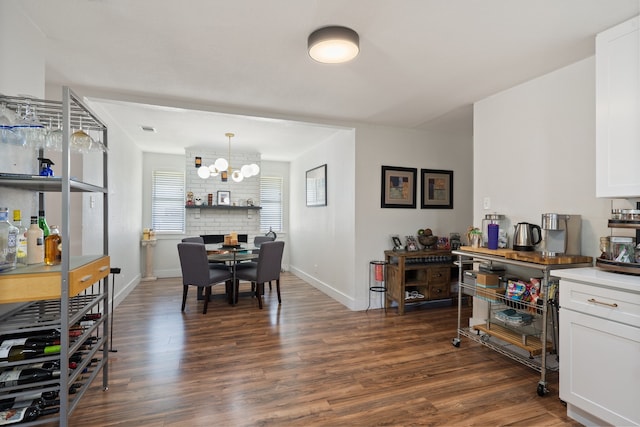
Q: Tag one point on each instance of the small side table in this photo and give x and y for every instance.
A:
(148, 273)
(377, 282)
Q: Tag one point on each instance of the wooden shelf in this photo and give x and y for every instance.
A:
(527, 342)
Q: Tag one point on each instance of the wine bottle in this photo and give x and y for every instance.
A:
(42, 223)
(40, 399)
(24, 401)
(35, 243)
(23, 415)
(10, 378)
(13, 353)
(30, 342)
(21, 244)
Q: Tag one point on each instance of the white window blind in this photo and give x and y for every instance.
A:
(167, 201)
(271, 202)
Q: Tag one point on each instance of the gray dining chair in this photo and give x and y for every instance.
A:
(196, 272)
(257, 241)
(267, 269)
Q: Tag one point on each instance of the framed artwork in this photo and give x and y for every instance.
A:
(437, 189)
(398, 187)
(317, 186)
(224, 198)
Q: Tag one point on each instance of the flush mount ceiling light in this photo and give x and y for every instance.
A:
(223, 166)
(333, 44)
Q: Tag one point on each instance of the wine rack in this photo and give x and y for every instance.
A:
(59, 297)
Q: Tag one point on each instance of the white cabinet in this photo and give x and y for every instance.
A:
(600, 346)
(618, 111)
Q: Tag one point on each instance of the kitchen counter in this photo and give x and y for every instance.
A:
(596, 276)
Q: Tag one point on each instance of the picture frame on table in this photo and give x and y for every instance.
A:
(316, 186)
(398, 187)
(436, 189)
(397, 243)
(224, 198)
(412, 244)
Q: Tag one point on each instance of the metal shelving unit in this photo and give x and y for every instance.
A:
(57, 297)
(528, 345)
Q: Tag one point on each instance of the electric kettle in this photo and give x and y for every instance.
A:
(523, 236)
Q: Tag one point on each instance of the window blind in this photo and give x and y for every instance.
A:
(167, 201)
(271, 202)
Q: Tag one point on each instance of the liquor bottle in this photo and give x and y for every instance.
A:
(35, 243)
(21, 244)
(23, 415)
(14, 353)
(53, 247)
(14, 377)
(42, 223)
(8, 241)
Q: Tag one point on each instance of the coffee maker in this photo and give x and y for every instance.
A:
(560, 234)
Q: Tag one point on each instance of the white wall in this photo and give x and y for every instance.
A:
(378, 146)
(534, 152)
(322, 238)
(332, 246)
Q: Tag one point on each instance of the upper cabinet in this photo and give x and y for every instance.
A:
(618, 111)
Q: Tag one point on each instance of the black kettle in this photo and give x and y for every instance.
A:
(523, 236)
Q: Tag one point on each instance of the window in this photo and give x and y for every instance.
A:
(167, 202)
(271, 202)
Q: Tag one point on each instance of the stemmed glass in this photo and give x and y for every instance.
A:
(81, 141)
(30, 127)
(53, 140)
(7, 133)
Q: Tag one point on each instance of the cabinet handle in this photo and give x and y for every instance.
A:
(86, 278)
(595, 301)
(103, 268)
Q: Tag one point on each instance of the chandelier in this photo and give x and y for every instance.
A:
(223, 167)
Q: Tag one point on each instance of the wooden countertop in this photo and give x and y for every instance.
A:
(530, 256)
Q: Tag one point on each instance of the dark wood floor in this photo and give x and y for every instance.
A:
(308, 362)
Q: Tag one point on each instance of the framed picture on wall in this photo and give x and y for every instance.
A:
(316, 186)
(398, 187)
(224, 198)
(437, 189)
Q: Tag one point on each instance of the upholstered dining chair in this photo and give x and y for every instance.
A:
(196, 271)
(267, 269)
(257, 241)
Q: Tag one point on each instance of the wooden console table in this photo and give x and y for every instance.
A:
(425, 275)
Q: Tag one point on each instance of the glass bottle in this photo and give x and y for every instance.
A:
(35, 243)
(21, 244)
(53, 247)
(8, 241)
(42, 223)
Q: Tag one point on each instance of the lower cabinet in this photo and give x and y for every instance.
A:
(600, 347)
(417, 276)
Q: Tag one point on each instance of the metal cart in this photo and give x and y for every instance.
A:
(528, 344)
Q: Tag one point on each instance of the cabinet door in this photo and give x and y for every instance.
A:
(599, 367)
(617, 111)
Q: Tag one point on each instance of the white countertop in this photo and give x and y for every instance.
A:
(600, 277)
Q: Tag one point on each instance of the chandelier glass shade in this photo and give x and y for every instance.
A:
(222, 166)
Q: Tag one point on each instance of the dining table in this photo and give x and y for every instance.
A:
(232, 256)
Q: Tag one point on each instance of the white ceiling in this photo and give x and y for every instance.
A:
(422, 63)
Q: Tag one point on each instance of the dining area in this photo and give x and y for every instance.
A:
(209, 260)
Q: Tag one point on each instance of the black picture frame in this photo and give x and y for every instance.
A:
(436, 189)
(316, 186)
(224, 198)
(398, 187)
